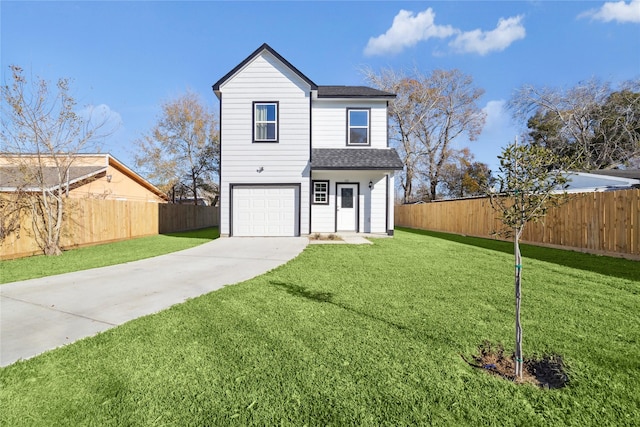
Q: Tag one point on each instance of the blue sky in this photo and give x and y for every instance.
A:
(127, 58)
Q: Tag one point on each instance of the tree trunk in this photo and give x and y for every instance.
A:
(408, 187)
(432, 189)
(518, 277)
(57, 229)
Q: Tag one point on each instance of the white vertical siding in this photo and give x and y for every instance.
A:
(329, 122)
(265, 78)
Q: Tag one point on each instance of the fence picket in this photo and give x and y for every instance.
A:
(94, 221)
(601, 223)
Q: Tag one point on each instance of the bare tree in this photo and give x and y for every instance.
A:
(404, 120)
(182, 150)
(588, 122)
(528, 187)
(617, 135)
(456, 113)
(428, 115)
(42, 132)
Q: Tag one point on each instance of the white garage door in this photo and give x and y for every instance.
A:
(265, 211)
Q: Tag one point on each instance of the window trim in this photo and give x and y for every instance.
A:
(313, 199)
(254, 124)
(368, 110)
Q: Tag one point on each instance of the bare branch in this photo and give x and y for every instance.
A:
(42, 133)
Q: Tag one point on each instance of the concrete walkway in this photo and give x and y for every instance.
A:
(41, 314)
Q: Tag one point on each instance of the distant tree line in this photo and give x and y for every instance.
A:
(592, 124)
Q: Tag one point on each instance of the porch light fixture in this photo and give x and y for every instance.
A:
(109, 178)
(260, 169)
(370, 185)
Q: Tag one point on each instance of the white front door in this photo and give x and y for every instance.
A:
(347, 207)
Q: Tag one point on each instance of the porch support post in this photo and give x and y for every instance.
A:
(390, 204)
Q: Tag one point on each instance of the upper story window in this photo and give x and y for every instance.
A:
(358, 126)
(265, 122)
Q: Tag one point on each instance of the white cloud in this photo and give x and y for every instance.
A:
(407, 30)
(102, 116)
(498, 132)
(497, 117)
(482, 42)
(616, 11)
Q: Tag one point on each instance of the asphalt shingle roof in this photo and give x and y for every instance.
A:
(15, 177)
(355, 158)
(352, 92)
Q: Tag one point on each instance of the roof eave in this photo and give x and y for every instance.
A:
(359, 168)
(360, 97)
(136, 177)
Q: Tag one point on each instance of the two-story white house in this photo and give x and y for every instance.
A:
(297, 158)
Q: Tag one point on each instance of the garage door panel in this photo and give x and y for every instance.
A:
(265, 211)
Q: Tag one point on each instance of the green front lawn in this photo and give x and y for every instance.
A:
(356, 335)
(103, 255)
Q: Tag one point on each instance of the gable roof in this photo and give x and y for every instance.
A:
(14, 178)
(257, 52)
(355, 158)
(323, 91)
(352, 92)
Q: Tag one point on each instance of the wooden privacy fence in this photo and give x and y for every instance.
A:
(600, 223)
(92, 221)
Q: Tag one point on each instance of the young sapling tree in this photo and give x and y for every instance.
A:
(527, 187)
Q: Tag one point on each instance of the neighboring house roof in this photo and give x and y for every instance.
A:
(13, 178)
(350, 158)
(216, 85)
(582, 182)
(352, 92)
(619, 173)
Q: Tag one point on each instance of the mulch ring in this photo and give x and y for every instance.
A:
(548, 372)
(319, 236)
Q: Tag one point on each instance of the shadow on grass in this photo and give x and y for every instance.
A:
(327, 297)
(610, 266)
(203, 233)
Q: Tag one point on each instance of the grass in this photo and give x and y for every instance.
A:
(355, 335)
(103, 255)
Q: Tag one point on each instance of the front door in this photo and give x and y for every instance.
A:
(346, 207)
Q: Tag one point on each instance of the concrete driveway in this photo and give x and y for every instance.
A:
(41, 314)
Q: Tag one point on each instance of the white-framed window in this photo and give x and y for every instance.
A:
(320, 192)
(358, 126)
(265, 122)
